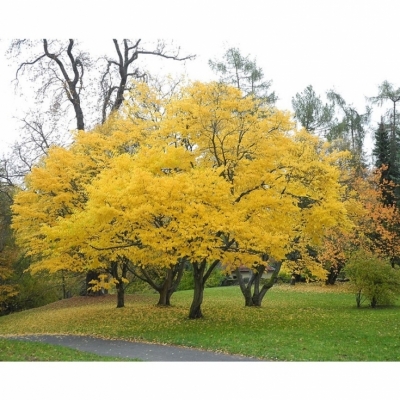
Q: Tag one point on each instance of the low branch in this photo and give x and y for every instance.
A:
(28, 63)
(176, 58)
(121, 246)
(261, 186)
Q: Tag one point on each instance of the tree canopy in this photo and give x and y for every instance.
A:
(216, 179)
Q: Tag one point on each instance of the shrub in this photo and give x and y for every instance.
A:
(373, 279)
(216, 278)
(33, 291)
(187, 282)
(284, 276)
(136, 285)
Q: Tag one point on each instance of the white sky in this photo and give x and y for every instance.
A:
(347, 45)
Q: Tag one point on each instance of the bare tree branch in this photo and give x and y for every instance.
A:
(125, 61)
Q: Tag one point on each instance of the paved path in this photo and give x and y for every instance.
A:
(131, 350)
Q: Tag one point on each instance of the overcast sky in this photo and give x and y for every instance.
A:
(347, 45)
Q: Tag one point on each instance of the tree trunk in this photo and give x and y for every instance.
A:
(358, 299)
(246, 288)
(120, 294)
(167, 287)
(248, 298)
(177, 274)
(332, 276)
(255, 299)
(374, 302)
(92, 275)
(120, 285)
(80, 124)
(198, 275)
(195, 309)
(267, 285)
(174, 276)
(164, 299)
(63, 285)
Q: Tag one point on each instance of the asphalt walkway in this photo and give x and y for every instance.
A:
(131, 350)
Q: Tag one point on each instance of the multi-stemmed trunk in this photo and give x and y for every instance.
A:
(333, 274)
(200, 276)
(358, 298)
(170, 284)
(252, 292)
(165, 285)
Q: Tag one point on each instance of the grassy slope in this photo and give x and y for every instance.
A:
(11, 350)
(299, 323)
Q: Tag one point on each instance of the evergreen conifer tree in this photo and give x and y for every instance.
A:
(386, 163)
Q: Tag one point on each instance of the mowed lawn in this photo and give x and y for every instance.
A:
(306, 322)
(14, 350)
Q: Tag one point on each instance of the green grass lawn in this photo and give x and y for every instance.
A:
(12, 350)
(296, 323)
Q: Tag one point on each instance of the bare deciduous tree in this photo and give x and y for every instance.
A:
(68, 75)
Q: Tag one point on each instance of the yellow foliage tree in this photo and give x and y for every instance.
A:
(211, 178)
(284, 185)
(56, 189)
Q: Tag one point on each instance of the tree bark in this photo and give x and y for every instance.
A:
(120, 294)
(90, 276)
(63, 285)
(127, 55)
(246, 288)
(70, 86)
(333, 275)
(358, 299)
(251, 291)
(171, 282)
(268, 285)
(120, 285)
(200, 276)
(164, 290)
(248, 298)
(256, 298)
(165, 286)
